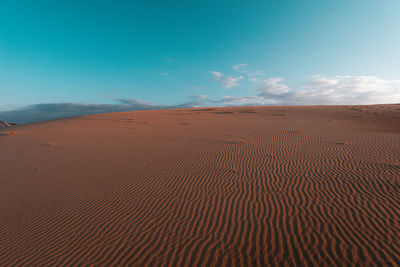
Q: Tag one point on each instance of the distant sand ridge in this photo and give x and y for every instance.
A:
(259, 186)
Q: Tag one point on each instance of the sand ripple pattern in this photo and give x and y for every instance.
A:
(275, 191)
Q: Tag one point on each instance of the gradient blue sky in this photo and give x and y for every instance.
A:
(95, 52)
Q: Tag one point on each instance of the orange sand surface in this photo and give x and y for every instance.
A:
(204, 187)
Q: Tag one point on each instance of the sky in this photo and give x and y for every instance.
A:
(66, 58)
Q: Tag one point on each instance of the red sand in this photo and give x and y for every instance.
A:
(231, 186)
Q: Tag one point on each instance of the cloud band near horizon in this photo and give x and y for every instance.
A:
(319, 90)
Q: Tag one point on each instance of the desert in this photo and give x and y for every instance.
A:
(231, 186)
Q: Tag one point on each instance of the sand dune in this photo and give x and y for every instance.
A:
(204, 187)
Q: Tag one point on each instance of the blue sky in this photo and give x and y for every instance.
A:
(187, 53)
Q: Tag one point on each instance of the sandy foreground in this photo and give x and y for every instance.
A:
(204, 187)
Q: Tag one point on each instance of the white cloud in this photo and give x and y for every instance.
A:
(199, 97)
(226, 82)
(322, 90)
(239, 66)
(347, 90)
(273, 87)
(230, 82)
(136, 102)
(246, 101)
(217, 74)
